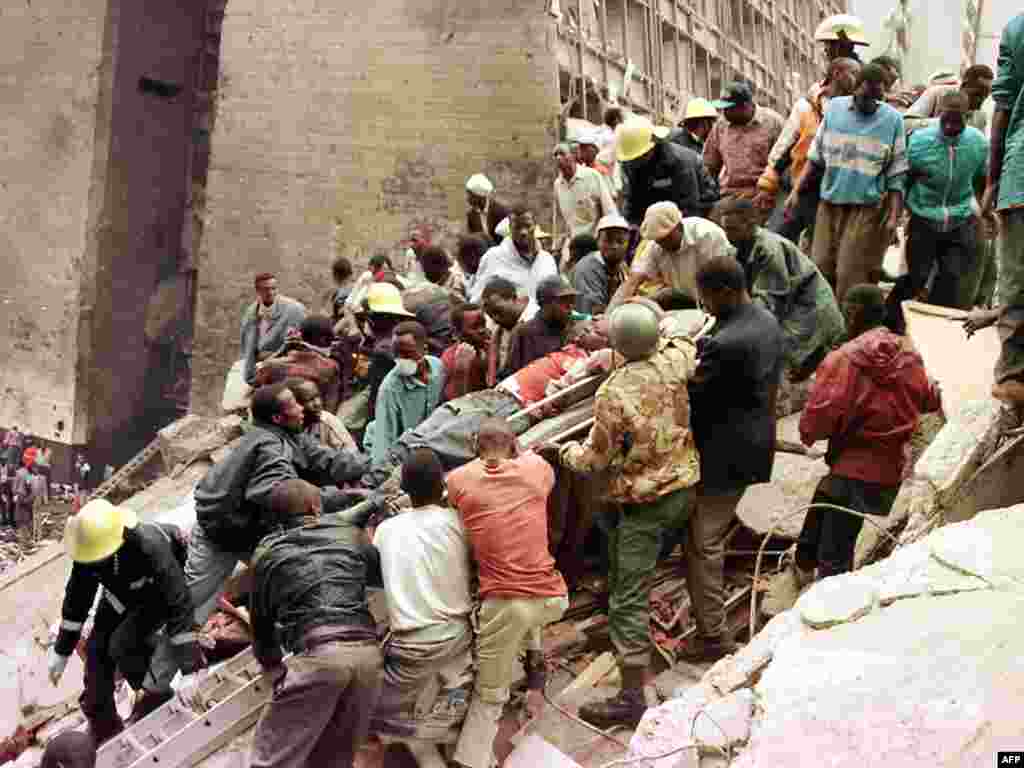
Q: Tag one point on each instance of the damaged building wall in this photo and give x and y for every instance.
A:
(340, 126)
(97, 99)
(56, 67)
(139, 242)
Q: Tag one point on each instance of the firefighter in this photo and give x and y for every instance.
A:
(139, 566)
(841, 34)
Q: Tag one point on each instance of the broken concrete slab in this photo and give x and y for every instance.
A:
(908, 685)
(836, 601)
(533, 751)
(939, 475)
(794, 480)
(987, 547)
(964, 367)
(702, 718)
(788, 429)
(193, 437)
(925, 679)
(741, 669)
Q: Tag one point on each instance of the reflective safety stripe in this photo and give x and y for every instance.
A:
(141, 582)
(118, 605)
(72, 626)
(183, 638)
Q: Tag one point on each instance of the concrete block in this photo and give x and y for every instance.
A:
(195, 436)
(794, 480)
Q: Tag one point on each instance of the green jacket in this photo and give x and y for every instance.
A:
(942, 174)
(1008, 95)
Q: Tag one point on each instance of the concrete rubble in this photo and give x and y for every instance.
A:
(936, 623)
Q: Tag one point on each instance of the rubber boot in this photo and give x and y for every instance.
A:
(102, 729)
(625, 708)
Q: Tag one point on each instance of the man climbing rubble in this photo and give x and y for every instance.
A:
(139, 566)
(425, 563)
(309, 597)
(867, 399)
(502, 501)
(642, 431)
(233, 500)
(732, 395)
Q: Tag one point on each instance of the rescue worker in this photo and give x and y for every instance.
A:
(309, 597)
(139, 566)
(841, 35)
(642, 431)
(867, 399)
(657, 170)
(697, 122)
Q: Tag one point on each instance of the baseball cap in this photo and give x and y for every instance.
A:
(553, 288)
(733, 95)
(612, 221)
(660, 219)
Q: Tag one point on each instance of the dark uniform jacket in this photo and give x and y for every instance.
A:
(146, 573)
(233, 499)
(672, 174)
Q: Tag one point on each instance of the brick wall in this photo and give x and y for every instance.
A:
(52, 73)
(341, 125)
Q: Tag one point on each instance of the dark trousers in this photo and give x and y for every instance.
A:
(829, 536)
(119, 641)
(803, 218)
(954, 255)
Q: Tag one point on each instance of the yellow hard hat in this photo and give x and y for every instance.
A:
(635, 137)
(842, 26)
(384, 298)
(698, 108)
(97, 531)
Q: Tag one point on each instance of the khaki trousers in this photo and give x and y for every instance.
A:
(320, 712)
(507, 625)
(705, 559)
(849, 244)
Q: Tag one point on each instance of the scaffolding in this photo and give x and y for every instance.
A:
(674, 50)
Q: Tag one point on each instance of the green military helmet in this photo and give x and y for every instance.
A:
(633, 330)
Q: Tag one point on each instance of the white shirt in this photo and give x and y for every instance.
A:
(504, 261)
(425, 561)
(583, 200)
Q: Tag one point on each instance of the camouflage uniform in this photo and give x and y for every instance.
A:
(642, 432)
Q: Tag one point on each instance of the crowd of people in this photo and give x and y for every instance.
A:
(421, 374)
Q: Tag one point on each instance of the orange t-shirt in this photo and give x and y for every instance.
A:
(504, 513)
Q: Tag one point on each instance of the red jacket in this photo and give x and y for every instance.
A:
(866, 399)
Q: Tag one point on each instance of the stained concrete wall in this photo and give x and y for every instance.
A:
(53, 90)
(341, 125)
(147, 180)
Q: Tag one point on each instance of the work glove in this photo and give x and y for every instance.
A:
(55, 664)
(188, 688)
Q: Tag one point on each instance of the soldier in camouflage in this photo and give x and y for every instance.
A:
(642, 431)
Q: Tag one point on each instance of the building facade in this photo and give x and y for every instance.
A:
(159, 153)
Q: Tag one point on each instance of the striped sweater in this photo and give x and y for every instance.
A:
(864, 156)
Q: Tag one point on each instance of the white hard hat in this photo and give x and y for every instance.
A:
(480, 185)
(842, 26)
